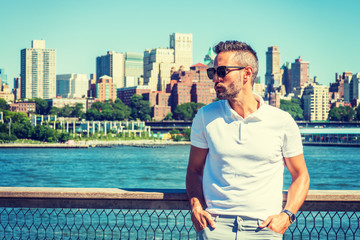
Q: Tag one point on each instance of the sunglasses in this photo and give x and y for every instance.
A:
(220, 71)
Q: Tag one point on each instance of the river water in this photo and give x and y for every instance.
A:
(330, 168)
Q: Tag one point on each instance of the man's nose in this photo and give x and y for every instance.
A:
(217, 78)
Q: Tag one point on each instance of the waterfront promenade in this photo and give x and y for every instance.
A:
(96, 143)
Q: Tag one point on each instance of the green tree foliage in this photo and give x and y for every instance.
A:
(108, 111)
(68, 111)
(64, 137)
(42, 106)
(55, 111)
(20, 125)
(44, 133)
(140, 109)
(187, 111)
(4, 105)
(4, 134)
(341, 114)
(169, 116)
(293, 107)
(357, 113)
(186, 133)
(78, 111)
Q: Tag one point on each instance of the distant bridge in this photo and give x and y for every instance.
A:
(166, 126)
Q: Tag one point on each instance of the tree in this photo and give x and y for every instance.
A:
(42, 106)
(44, 133)
(357, 113)
(186, 133)
(55, 111)
(293, 107)
(108, 111)
(121, 111)
(169, 116)
(140, 109)
(187, 111)
(341, 113)
(78, 111)
(22, 130)
(64, 136)
(4, 105)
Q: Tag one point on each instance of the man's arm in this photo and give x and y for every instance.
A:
(199, 217)
(296, 194)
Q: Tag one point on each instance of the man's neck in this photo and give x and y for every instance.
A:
(244, 104)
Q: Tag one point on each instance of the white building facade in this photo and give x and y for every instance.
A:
(38, 71)
(316, 102)
(71, 85)
(158, 62)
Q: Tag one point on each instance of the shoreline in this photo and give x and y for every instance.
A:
(96, 143)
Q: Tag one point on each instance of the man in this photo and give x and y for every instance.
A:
(239, 147)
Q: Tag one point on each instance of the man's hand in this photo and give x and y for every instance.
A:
(277, 223)
(201, 219)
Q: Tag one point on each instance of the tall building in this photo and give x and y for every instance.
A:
(273, 67)
(112, 64)
(337, 88)
(38, 71)
(17, 88)
(299, 73)
(352, 89)
(5, 93)
(183, 48)
(286, 77)
(190, 86)
(134, 69)
(316, 102)
(71, 85)
(158, 62)
(105, 89)
(3, 76)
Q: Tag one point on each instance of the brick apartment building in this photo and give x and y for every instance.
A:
(25, 107)
(184, 87)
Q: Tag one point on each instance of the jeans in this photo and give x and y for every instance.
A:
(236, 228)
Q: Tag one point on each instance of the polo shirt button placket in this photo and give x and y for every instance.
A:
(239, 221)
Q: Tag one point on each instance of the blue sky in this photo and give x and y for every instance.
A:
(325, 33)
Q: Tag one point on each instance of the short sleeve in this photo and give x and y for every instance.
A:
(292, 138)
(198, 136)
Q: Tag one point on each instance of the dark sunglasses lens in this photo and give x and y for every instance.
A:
(210, 72)
(221, 71)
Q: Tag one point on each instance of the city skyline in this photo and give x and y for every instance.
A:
(80, 31)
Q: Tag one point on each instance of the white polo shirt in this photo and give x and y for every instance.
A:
(243, 173)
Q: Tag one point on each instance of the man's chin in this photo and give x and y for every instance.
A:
(221, 96)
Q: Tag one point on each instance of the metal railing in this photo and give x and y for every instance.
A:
(100, 213)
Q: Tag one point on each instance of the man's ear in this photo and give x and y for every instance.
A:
(248, 72)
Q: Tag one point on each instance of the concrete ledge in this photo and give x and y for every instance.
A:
(114, 198)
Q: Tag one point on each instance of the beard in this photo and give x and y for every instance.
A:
(227, 92)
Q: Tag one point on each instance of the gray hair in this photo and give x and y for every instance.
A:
(244, 54)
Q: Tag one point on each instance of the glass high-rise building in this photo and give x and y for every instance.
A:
(38, 71)
(134, 68)
(111, 64)
(3, 76)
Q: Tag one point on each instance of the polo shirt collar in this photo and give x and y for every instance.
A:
(258, 115)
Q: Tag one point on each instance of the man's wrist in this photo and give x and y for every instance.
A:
(291, 215)
(196, 209)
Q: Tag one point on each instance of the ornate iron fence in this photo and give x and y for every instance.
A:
(71, 213)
